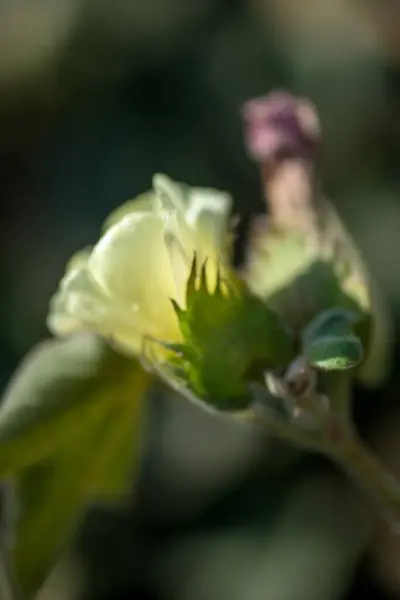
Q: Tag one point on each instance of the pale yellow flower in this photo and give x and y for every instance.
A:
(123, 286)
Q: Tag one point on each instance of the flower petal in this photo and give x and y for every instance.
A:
(197, 224)
(80, 306)
(130, 264)
(146, 202)
(180, 244)
(172, 195)
(123, 286)
(208, 215)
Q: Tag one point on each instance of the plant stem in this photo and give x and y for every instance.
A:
(338, 440)
(8, 588)
(371, 475)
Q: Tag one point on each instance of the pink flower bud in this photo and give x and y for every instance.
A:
(279, 126)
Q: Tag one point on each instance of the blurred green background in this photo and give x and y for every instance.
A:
(96, 96)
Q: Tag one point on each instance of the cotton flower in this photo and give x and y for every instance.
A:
(122, 287)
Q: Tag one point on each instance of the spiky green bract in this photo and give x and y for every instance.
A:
(226, 332)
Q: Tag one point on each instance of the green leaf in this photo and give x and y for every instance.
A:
(309, 264)
(335, 321)
(69, 434)
(335, 352)
(329, 341)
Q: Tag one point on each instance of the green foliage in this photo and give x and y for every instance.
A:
(335, 321)
(300, 281)
(69, 434)
(335, 353)
(225, 333)
(310, 264)
(70, 421)
(329, 341)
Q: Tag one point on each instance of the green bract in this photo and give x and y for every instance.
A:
(226, 334)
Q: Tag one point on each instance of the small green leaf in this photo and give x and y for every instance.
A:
(330, 342)
(69, 433)
(335, 352)
(335, 321)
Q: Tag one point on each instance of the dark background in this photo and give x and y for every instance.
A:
(96, 96)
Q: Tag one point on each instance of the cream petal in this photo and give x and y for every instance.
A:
(210, 200)
(59, 320)
(180, 244)
(122, 287)
(130, 264)
(77, 260)
(146, 202)
(80, 306)
(201, 229)
(171, 195)
(208, 215)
